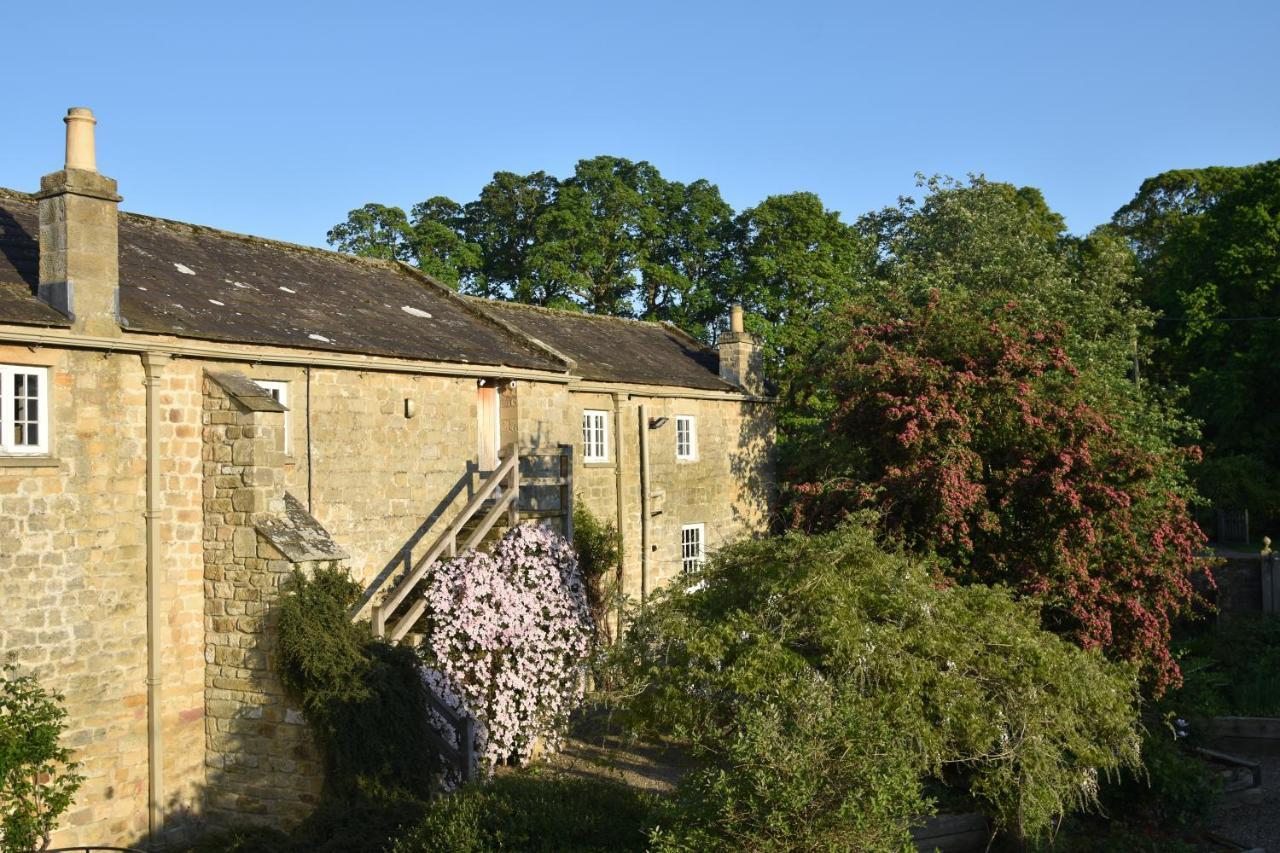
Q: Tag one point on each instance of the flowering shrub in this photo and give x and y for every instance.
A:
(507, 635)
(978, 438)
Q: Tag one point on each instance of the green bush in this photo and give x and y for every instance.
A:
(599, 548)
(822, 680)
(1231, 669)
(364, 699)
(356, 824)
(525, 811)
(38, 779)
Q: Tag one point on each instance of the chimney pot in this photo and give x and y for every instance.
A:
(735, 319)
(80, 146)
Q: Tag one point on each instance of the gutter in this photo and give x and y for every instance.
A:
(153, 364)
(189, 348)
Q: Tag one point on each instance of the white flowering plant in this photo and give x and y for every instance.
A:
(507, 637)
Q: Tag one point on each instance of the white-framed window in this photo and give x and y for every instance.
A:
(24, 410)
(280, 391)
(595, 436)
(692, 554)
(686, 437)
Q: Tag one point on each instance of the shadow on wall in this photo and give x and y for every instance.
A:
(754, 464)
(402, 561)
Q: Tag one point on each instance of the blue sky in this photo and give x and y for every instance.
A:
(276, 118)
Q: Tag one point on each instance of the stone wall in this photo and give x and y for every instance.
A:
(261, 762)
(73, 578)
(73, 547)
(730, 487)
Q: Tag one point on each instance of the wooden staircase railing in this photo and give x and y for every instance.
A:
(505, 503)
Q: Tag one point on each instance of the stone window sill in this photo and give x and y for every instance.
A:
(30, 462)
(597, 464)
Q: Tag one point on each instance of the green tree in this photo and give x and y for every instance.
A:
(503, 222)
(686, 267)
(1208, 243)
(995, 242)
(796, 259)
(375, 231)
(821, 680)
(38, 779)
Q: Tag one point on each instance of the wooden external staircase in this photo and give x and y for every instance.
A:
(496, 506)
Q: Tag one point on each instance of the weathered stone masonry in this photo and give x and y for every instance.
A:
(259, 756)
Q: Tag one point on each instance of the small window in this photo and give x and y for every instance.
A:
(280, 391)
(691, 553)
(686, 437)
(595, 436)
(24, 409)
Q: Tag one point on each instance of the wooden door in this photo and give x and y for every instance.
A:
(488, 426)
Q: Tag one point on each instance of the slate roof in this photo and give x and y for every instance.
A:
(20, 266)
(613, 349)
(195, 282)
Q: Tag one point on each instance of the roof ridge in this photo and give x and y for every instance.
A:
(565, 312)
(147, 218)
(151, 219)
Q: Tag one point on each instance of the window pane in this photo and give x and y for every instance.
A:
(33, 385)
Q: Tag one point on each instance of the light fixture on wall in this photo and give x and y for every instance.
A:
(410, 407)
(657, 423)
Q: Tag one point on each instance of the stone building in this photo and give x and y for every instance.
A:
(187, 414)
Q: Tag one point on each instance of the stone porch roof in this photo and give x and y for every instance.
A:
(195, 282)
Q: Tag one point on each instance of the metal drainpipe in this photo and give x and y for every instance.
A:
(644, 503)
(310, 477)
(153, 365)
(617, 487)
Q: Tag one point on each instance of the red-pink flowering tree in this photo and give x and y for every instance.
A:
(976, 438)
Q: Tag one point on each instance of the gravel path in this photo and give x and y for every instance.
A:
(1259, 824)
(597, 749)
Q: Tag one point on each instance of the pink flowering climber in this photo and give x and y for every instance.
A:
(507, 637)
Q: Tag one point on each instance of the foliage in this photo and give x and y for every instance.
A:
(1208, 244)
(598, 545)
(821, 680)
(796, 259)
(615, 237)
(1231, 669)
(991, 243)
(38, 779)
(977, 438)
(523, 811)
(360, 695)
(1173, 787)
(364, 823)
(506, 638)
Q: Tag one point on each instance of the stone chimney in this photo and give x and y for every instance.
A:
(79, 249)
(741, 359)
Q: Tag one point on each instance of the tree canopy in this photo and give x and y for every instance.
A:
(1208, 249)
(616, 237)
